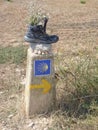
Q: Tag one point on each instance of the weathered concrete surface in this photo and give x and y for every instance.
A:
(39, 90)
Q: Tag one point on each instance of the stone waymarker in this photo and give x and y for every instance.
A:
(40, 83)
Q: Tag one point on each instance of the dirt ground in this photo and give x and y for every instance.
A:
(76, 25)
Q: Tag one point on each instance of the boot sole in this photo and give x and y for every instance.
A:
(31, 40)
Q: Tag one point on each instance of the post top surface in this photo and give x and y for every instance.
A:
(38, 48)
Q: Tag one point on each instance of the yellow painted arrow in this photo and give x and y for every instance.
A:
(45, 85)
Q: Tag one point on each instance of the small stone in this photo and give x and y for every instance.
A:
(10, 116)
(43, 53)
(39, 52)
(1, 92)
(31, 124)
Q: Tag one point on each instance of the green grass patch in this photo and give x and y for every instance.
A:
(9, 0)
(83, 1)
(80, 86)
(14, 55)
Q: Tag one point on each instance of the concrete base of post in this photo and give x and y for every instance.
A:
(40, 88)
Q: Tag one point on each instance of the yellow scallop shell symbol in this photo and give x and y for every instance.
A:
(43, 67)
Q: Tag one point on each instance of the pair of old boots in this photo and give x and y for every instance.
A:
(37, 34)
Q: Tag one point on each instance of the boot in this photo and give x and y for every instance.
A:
(37, 34)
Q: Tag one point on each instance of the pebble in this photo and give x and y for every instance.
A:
(10, 116)
(1, 92)
(31, 124)
(39, 52)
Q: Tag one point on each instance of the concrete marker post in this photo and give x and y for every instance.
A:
(40, 83)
